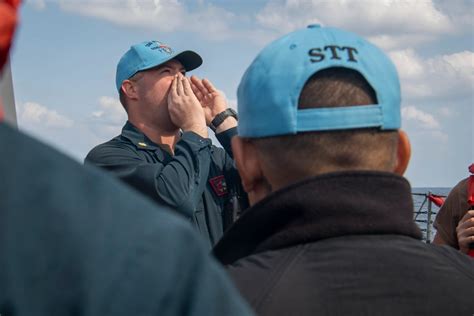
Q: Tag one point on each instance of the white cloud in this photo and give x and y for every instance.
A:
(162, 15)
(31, 113)
(282, 17)
(159, 15)
(440, 77)
(409, 65)
(110, 111)
(412, 72)
(395, 41)
(109, 118)
(460, 12)
(389, 23)
(459, 65)
(411, 113)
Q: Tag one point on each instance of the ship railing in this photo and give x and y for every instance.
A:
(424, 217)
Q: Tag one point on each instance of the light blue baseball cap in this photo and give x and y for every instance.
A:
(150, 54)
(269, 91)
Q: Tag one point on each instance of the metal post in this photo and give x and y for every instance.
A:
(6, 94)
(428, 222)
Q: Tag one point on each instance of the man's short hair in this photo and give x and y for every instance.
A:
(310, 153)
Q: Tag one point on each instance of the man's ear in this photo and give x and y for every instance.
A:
(129, 89)
(403, 153)
(246, 159)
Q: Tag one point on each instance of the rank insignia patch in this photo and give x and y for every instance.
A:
(219, 185)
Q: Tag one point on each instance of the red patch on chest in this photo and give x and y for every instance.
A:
(219, 185)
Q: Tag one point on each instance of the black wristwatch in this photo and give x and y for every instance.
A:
(221, 117)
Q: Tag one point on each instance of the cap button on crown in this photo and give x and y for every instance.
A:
(314, 26)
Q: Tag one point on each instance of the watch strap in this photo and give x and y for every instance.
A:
(219, 118)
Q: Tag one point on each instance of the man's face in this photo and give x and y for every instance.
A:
(153, 87)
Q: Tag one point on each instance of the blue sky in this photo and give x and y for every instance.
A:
(65, 55)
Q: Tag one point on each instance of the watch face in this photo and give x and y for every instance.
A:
(230, 112)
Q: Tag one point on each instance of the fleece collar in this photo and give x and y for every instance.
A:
(326, 206)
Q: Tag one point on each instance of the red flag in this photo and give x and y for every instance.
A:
(470, 186)
(8, 18)
(436, 199)
(470, 191)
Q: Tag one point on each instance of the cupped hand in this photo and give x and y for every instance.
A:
(184, 107)
(465, 231)
(212, 101)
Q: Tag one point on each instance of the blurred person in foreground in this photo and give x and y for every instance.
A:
(70, 244)
(454, 222)
(321, 156)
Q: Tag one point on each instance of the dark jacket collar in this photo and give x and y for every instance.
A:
(331, 205)
(136, 137)
(141, 141)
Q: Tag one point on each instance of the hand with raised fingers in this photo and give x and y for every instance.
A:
(212, 101)
(465, 231)
(185, 109)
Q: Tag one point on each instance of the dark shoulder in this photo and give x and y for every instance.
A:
(454, 258)
(48, 171)
(263, 268)
(456, 203)
(17, 160)
(460, 190)
(218, 155)
(113, 148)
(218, 151)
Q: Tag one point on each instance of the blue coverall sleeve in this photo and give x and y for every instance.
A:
(230, 170)
(225, 138)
